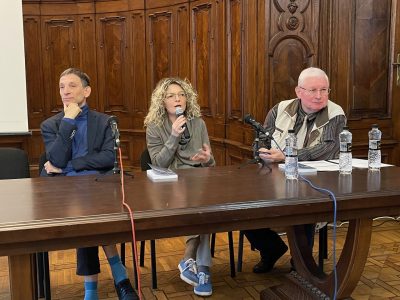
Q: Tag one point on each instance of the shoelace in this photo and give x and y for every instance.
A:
(203, 278)
(191, 265)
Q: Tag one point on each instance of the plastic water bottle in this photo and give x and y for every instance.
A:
(291, 160)
(345, 164)
(374, 152)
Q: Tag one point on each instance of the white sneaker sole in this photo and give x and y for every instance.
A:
(204, 294)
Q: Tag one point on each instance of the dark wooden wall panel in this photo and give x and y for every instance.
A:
(243, 56)
(138, 82)
(59, 46)
(114, 62)
(87, 53)
(370, 72)
(33, 65)
(204, 54)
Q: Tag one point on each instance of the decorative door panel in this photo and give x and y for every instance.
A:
(167, 43)
(138, 69)
(114, 62)
(34, 75)
(236, 43)
(203, 53)
(207, 20)
(87, 54)
(292, 39)
(59, 50)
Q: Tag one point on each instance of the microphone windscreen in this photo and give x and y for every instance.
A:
(179, 111)
(248, 119)
(112, 119)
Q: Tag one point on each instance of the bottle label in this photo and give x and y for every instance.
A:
(374, 145)
(291, 152)
(345, 147)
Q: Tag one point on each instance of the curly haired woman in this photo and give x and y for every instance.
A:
(171, 147)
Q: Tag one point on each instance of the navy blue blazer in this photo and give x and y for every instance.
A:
(58, 136)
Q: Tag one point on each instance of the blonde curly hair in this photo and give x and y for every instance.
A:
(157, 112)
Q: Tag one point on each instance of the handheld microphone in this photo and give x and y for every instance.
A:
(113, 121)
(257, 126)
(179, 112)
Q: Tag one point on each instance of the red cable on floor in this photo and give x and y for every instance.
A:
(132, 225)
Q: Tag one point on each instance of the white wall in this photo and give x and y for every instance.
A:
(13, 102)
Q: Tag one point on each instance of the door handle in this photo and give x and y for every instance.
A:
(397, 64)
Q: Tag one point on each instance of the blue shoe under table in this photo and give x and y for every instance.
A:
(205, 287)
(188, 271)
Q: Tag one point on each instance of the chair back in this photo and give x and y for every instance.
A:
(14, 163)
(145, 160)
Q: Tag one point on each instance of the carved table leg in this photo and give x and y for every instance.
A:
(308, 279)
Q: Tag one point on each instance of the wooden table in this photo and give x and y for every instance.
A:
(43, 214)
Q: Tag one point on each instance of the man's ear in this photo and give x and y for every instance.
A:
(87, 91)
(298, 91)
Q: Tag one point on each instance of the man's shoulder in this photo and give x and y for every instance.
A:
(335, 108)
(53, 119)
(99, 115)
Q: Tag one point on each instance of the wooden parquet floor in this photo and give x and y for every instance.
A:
(380, 279)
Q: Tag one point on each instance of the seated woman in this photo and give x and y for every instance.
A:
(177, 138)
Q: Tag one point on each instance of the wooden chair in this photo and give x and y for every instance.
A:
(14, 164)
(144, 165)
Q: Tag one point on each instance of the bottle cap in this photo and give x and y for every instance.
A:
(345, 127)
(291, 131)
(374, 125)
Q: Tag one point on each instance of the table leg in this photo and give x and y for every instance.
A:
(22, 277)
(309, 281)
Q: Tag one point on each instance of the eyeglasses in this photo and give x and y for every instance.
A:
(314, 92)
(172, 96)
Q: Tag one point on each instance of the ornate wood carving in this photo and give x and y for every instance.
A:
(293, 45)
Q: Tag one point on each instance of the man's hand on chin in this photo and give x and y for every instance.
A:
(72, 110)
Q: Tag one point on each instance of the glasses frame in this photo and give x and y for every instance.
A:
(314, 92)
(172, 96)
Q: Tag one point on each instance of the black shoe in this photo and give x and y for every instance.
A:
(125, 290)
(267, 264)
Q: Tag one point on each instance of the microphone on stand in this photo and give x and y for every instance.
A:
(179, 112)
(113, 121)
(257, 126)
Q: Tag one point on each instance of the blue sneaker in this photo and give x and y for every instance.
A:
(189, 271)
(205, 287)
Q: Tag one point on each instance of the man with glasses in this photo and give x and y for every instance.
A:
(317, 122)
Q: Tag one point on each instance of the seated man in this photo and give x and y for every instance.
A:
(78, 141)
(317, 122)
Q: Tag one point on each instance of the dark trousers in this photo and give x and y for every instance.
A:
(268, 242)
(87, 261)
